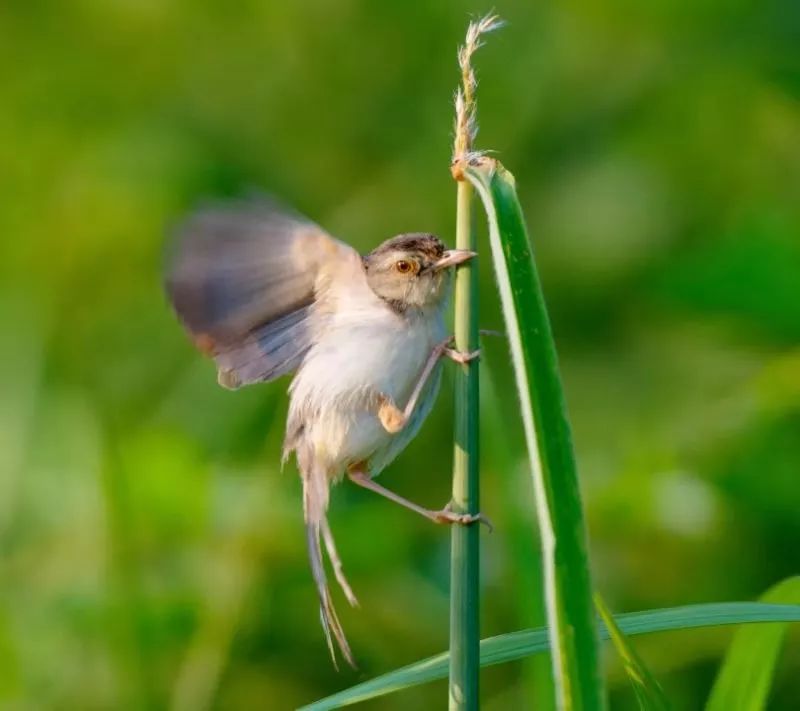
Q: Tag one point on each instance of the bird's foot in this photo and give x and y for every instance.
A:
(461, 357)
(392, 418)
(447, 515)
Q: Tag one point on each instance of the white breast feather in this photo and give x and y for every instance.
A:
(362, 351)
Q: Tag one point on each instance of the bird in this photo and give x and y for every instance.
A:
(266, 292)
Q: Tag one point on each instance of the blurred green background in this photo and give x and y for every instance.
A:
(151, 551)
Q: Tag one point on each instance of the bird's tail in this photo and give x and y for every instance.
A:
(315, 506)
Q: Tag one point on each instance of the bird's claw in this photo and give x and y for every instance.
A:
(392, 418)
(447, 515)
(461, 357)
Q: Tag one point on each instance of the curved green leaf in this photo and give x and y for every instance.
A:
(745, 678)
(567, 584)
(516, 645)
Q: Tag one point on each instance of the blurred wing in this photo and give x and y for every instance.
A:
(243, 279)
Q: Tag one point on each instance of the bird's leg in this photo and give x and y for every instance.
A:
(393, 418)
(445, 515)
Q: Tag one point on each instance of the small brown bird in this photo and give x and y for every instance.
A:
(266, 292)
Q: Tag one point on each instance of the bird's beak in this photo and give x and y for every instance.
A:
(452, 257)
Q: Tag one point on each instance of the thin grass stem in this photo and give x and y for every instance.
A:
(465, 544)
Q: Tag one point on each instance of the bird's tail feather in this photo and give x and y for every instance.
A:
(315, 504)
(336, 563)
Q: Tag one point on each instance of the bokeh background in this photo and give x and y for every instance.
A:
(152, 552)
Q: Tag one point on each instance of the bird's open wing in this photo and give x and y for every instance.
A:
(243, 279)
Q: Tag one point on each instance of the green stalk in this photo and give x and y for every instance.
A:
(465, 545)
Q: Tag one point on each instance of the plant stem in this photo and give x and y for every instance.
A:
(465, 545)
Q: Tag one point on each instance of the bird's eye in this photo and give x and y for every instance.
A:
(404, 266)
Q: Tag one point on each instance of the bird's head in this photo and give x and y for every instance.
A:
(412, 270)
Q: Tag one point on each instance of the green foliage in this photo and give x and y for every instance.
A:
(568, 591)
(745, 679)
(515, 645)
(648, 691)
(151, 549)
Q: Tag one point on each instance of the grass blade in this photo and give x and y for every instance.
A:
(568, 590)
(516, 645)
(745, 678)
(648, 691)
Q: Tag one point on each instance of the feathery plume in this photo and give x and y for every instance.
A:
(466, 125)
